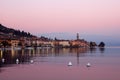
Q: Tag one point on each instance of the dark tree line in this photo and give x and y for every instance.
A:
(14, 32)
(93, 44)
(4, 44)
(102, 44)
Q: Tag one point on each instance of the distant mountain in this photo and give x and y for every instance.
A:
(16, 33)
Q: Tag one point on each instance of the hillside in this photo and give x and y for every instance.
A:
(12, 32)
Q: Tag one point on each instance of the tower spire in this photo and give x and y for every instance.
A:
(77, 36)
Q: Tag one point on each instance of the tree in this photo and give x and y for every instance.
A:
(93, 44)
(102, 44)
(55, 39)
(0, 44)
(5, 43)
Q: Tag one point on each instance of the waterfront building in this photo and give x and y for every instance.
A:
(14, 42)
(64, 43)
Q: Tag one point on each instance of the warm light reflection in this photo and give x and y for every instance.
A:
(12, 52)
(25, 54)
(1, 53)
(22, 52)
(55, 61)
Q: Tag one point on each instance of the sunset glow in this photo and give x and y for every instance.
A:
(100, 17)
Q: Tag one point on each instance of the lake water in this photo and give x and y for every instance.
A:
(52, 64)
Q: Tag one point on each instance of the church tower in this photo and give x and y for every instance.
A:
(77, 36)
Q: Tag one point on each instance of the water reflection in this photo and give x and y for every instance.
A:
(93, 50)
(25, 55)
(57, 61)
(102, 49)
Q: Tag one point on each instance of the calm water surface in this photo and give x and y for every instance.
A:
(51, 64)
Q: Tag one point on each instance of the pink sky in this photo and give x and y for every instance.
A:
(100, 17)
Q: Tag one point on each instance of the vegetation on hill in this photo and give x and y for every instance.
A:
(14, 32)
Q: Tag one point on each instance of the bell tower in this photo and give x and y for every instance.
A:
(77, 36)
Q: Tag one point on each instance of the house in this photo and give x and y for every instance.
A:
(14, 42)
(64, 43)
(78, 43)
